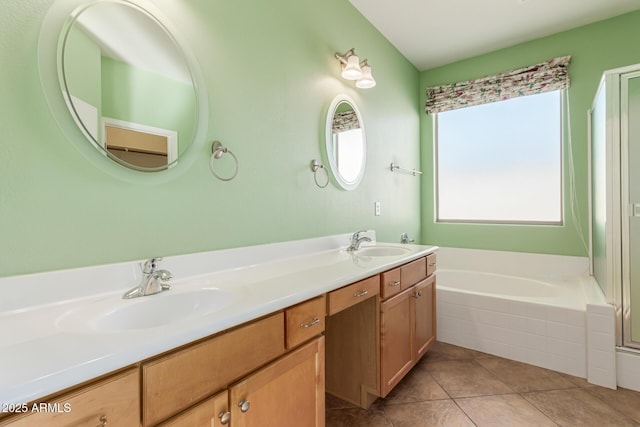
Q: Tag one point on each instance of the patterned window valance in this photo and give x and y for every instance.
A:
(345, 121)
(544, 77)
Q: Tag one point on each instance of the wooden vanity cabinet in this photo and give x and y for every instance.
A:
(113, 401)
(371, 347)
(254, 381)
(407, 331)
(181, 378)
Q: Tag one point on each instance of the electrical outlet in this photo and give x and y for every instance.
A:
(377, 207)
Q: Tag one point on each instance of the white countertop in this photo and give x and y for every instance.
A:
(40, 354)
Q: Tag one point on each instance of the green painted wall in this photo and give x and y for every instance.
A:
(139, 96)
(270, 76)
(594, 48)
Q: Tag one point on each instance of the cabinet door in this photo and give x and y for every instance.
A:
(396, 340)
(213, 412)
(423, 300)
(288, 392)
(113, 401)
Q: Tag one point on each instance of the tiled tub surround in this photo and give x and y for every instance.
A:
(530, 308)
(39, 355)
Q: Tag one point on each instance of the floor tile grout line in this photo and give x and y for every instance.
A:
(518, 388)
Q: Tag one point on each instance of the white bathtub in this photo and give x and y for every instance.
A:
(562, 292)
(526, 307)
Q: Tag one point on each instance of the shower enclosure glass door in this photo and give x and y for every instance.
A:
(615, 202)
(630, 186)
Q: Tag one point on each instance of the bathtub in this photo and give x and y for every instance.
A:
(543, 310)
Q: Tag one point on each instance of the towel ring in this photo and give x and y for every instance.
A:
(315, 167)
(217, 151)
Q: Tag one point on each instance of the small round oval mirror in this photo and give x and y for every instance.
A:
(128, 85)
(345, 142)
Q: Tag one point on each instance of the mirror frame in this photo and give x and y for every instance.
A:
(333, 165)
(58, 18)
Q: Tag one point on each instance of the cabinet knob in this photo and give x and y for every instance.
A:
(394, 283)
(362, 293)
(103, 421)
(225, 417)
(244, 406)
(417, 294)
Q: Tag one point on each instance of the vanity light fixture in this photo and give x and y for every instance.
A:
(354, 69)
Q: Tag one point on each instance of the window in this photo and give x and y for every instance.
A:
(501, 162)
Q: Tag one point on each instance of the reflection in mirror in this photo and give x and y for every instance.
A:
(345, 142)
(127, 84)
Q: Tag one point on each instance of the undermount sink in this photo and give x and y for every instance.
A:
(145, 312)
(380, 250)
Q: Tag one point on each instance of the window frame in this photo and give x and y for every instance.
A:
(561, 222)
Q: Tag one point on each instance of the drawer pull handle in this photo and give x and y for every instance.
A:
(433, 264)
(244, 406)
(103, 421)
(315, 321)
(417, 294)
(225, 417)
(395, 283)
(362, 293)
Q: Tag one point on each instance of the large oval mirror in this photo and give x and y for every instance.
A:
(128, 85)
(345, 142)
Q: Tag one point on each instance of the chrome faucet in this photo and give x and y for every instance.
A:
(356, 241)
(153, 280)
(404, 238)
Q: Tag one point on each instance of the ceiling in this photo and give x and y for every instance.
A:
(430, 33)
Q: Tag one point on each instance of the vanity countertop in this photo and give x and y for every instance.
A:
(40, 353)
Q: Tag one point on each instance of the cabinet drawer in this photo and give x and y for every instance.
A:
(413, 272)
(305, 320)
(114, 401)
(176, 381)
(431, 264)
(390, 283)
(344, 298)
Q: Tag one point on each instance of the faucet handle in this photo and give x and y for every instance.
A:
(150, 265)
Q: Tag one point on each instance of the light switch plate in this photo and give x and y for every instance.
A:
(377, 208)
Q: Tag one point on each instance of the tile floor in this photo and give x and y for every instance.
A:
(453, 386)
